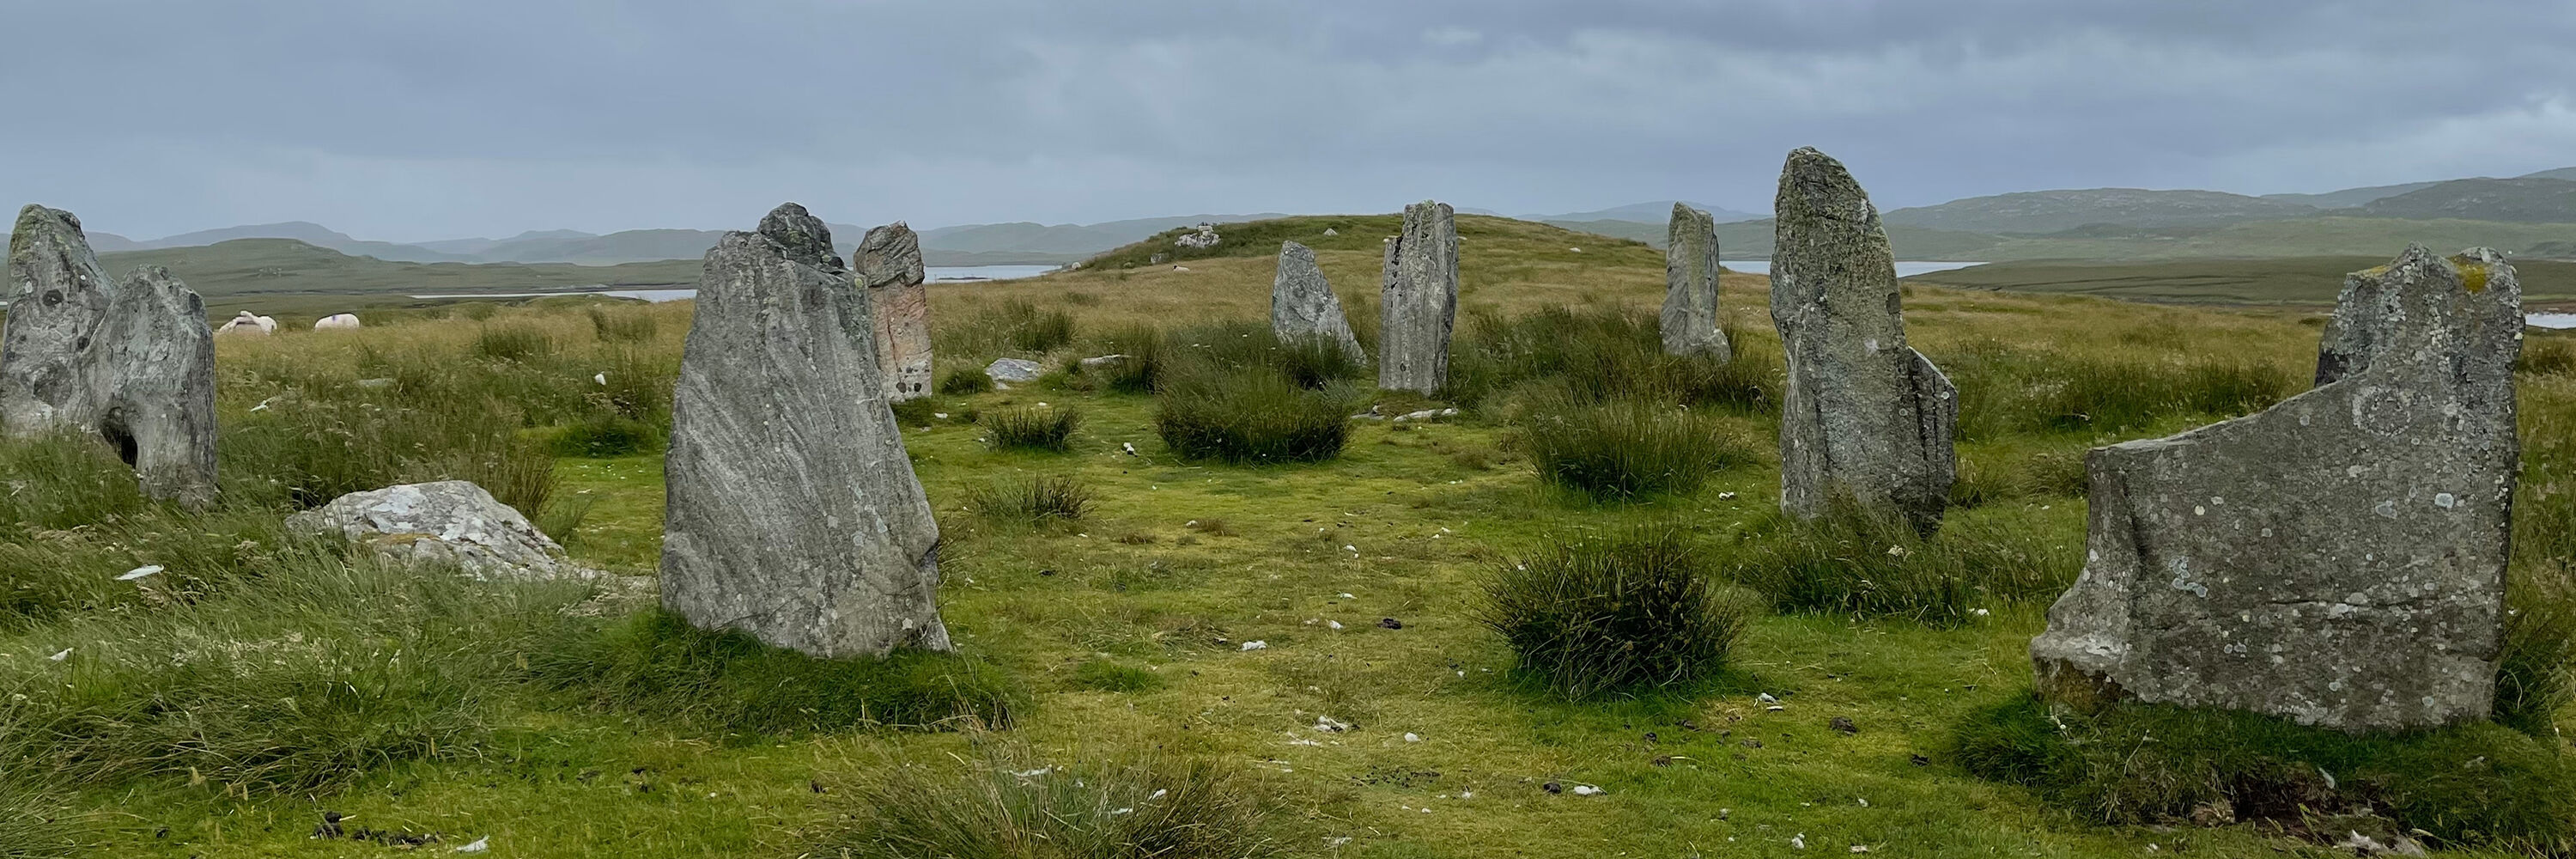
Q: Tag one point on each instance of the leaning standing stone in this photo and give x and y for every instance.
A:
(890, 269)
(1419, 301)
(1865, 417)
(2337, 559)
(1690, 287)
(1303, 306)
(794, 514)
(129, 362)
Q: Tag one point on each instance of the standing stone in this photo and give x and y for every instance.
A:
(889, 264)
(130, 362)
(1303, 306)
(794, 514)
(1690, 287)
(1865, 416)
(2337, 559)
(1419, 302)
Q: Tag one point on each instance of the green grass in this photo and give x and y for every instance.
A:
(2289, 278)
(1037, 500)
(1619, 612)
(2471, 786)
(1626, 449)
(1016, 805)
(1031, 428)
(1253, 415)
(658, 666)
(572, 726)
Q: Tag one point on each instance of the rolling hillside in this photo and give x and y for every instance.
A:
(284, 277)
(2312, 281)
(2529, 199)
(2037, 212)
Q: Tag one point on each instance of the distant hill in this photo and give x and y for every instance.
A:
(2313, 280)
(2349, 197)
(1654, 212)
(2291, 237)
(2560, 173)
(2528, 199)
(2037, 212)
(1060, 243)
(1752, 239)
(476, 246)
(1512, 238)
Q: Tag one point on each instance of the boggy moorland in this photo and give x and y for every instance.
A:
(1305, 649)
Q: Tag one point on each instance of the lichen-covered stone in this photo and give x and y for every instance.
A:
(130, 362)
(793, 511)
(1865, 417)
(2337, 559)
(1014, 370)
(1690, 324)
(1303, 306)
(443, 522)
(1419, 300)
(889, 265)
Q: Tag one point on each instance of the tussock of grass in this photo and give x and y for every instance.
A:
(2478, 785)
(622, 326)
(62, 481)
(1607, 354)
(1012, 805)
(1013, 326)
(1865, 563)
(1112, 676)
(1033, 500)
(513, 342)
(2005, 389)
(965, 380)
(310, 451)
(1636, 609)
(1624, 449)
(1031, 428)
(2547, 356)
(30, 829)
(655, 664)
(327, 669)
(1253, 415)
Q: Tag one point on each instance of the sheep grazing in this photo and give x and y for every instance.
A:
(336, 320)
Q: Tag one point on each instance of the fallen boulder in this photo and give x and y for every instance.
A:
(445, 522)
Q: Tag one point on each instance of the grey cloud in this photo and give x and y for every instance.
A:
(421, 120)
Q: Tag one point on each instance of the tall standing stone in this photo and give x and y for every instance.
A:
(2338, 559)
(1690, 325)
(1303, 306)
(890, 269)
(793, 512)
(1865, 416)
(1419, 302)
(130, 362)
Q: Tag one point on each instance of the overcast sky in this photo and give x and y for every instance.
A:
(423, 119)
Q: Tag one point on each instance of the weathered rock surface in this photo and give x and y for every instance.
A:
(1419, 300)
(1015, 370)
(1202, 238)
(1303, 306)
(1690, 324)
(2337, 559)
(794, 514)
(1865, 417)
(130, 362)
(889, 264)
(445, 522)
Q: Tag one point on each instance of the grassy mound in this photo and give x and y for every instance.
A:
(2471, 786)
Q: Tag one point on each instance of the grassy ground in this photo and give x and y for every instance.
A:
(1180, 563)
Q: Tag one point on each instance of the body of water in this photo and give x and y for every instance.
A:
(2550, 320)
(1903, 268)
(936, 273)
